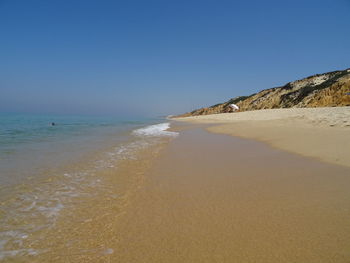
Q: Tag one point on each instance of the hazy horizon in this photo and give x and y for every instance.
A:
(152, 58)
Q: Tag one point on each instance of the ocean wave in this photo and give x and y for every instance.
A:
(160, 129)
(42, 202)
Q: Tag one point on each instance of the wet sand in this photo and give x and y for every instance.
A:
(86, 229)
(216, 198)
(205, 197)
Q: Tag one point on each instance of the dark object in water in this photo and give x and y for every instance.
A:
(53, 124)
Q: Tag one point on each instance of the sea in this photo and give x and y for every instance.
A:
(48, 161)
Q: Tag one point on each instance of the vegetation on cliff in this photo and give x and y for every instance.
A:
(329, 89)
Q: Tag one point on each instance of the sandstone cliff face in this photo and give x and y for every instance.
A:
(322, 90)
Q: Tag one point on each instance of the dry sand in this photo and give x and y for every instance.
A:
(322, 133)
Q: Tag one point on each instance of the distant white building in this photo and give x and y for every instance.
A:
(234, 107)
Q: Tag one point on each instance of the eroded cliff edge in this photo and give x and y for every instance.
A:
(329, 89)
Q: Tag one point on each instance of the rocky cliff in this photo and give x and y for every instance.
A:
(322, 90)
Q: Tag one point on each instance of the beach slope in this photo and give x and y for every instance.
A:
(322, 133)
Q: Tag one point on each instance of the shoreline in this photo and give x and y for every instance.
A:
(192, 198)
(70, 211)
(321, 133)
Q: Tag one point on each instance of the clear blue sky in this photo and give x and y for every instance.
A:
(161, 57)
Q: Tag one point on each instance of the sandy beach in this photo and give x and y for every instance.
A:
(322, 133)
(205, 197)
(203, 202)
(175, 132)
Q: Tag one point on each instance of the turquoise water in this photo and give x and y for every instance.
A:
(46, 170)
(30, 143)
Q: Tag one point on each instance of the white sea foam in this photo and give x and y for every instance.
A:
(156, 130)
(23, 252)
(43, 204)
